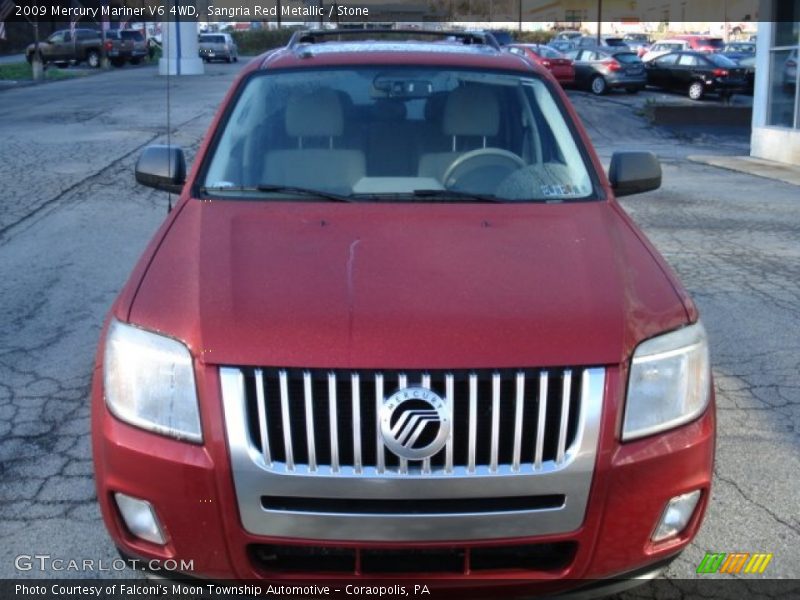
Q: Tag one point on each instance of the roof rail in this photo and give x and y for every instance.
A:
(315, 36)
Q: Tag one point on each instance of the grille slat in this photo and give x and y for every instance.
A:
(562, 430)
(473, 421)
(355, 382)
(493, 448)
(309, 405)
(380, 456)
(328, 422)
(262, 417)
(519, 406)
(287, 424)
(540, 421)
(333, 418)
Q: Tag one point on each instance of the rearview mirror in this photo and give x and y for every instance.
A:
(162, 168)
(634, 173)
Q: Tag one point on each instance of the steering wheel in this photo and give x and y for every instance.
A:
(482, 158)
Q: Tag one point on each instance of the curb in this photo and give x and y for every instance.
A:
(753, 166)
(673, 114)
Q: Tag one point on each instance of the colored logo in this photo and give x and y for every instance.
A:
(734, 563)
(415, 423)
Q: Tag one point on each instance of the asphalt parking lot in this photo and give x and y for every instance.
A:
(73, 222)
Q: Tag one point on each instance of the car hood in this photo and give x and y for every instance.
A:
(405, 285)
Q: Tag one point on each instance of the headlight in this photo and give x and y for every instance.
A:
(669, 382)
(149, 382)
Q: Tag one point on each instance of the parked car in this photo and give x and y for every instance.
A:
(696, 74)
(63, 47)
(602, 69)
(503, 36)
(748, 63)
(358, 345)
(562, 46)
(140, 47)
(702, 43)
(119, 49)
(664, 47)
(591, 41)
(738, 50)
(559, 65)
(637, 42)
(218, 46)
(567, 36)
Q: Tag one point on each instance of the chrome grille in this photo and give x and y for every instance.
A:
(327, 422)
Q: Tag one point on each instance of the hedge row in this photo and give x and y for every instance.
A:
(257, 41)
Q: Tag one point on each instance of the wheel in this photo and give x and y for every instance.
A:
(93, 59)
(236, 58)
(136, 61)
(599, 85)
(696, 90)
(485, 168)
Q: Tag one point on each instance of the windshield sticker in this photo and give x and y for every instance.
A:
(562, 189)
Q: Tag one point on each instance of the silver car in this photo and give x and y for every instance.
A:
(218, 46)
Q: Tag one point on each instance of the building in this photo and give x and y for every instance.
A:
(776, 100)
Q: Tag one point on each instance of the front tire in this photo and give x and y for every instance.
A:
(93, 59)
(697, 90)
(599, 85)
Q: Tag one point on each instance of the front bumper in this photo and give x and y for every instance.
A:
(191, 488)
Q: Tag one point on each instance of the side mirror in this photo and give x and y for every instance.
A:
(634, 173)
(162, 168)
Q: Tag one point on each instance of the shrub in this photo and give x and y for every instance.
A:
(533, 37)
(257, 41)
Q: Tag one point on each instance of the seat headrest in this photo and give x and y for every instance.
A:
(318, 114)
(471, 110)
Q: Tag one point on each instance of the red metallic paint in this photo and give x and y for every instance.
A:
(326, 285)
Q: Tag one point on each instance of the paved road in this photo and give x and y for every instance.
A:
(72, 223)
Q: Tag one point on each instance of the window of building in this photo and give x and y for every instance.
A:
(784, 81)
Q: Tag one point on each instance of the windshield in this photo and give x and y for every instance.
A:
(627, 57)
(372, 133)
(136, 36)
(212, 39)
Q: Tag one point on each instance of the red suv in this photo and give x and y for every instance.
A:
(398, 324)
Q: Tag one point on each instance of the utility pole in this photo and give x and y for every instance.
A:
(599, 22)
(519, 4)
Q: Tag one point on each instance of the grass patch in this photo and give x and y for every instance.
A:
(22, 71)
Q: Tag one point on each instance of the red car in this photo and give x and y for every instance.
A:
(702, 43)
(399, 325)
(550, 58)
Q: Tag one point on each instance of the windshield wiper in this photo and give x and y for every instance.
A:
(266, 187)
(456, 195)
